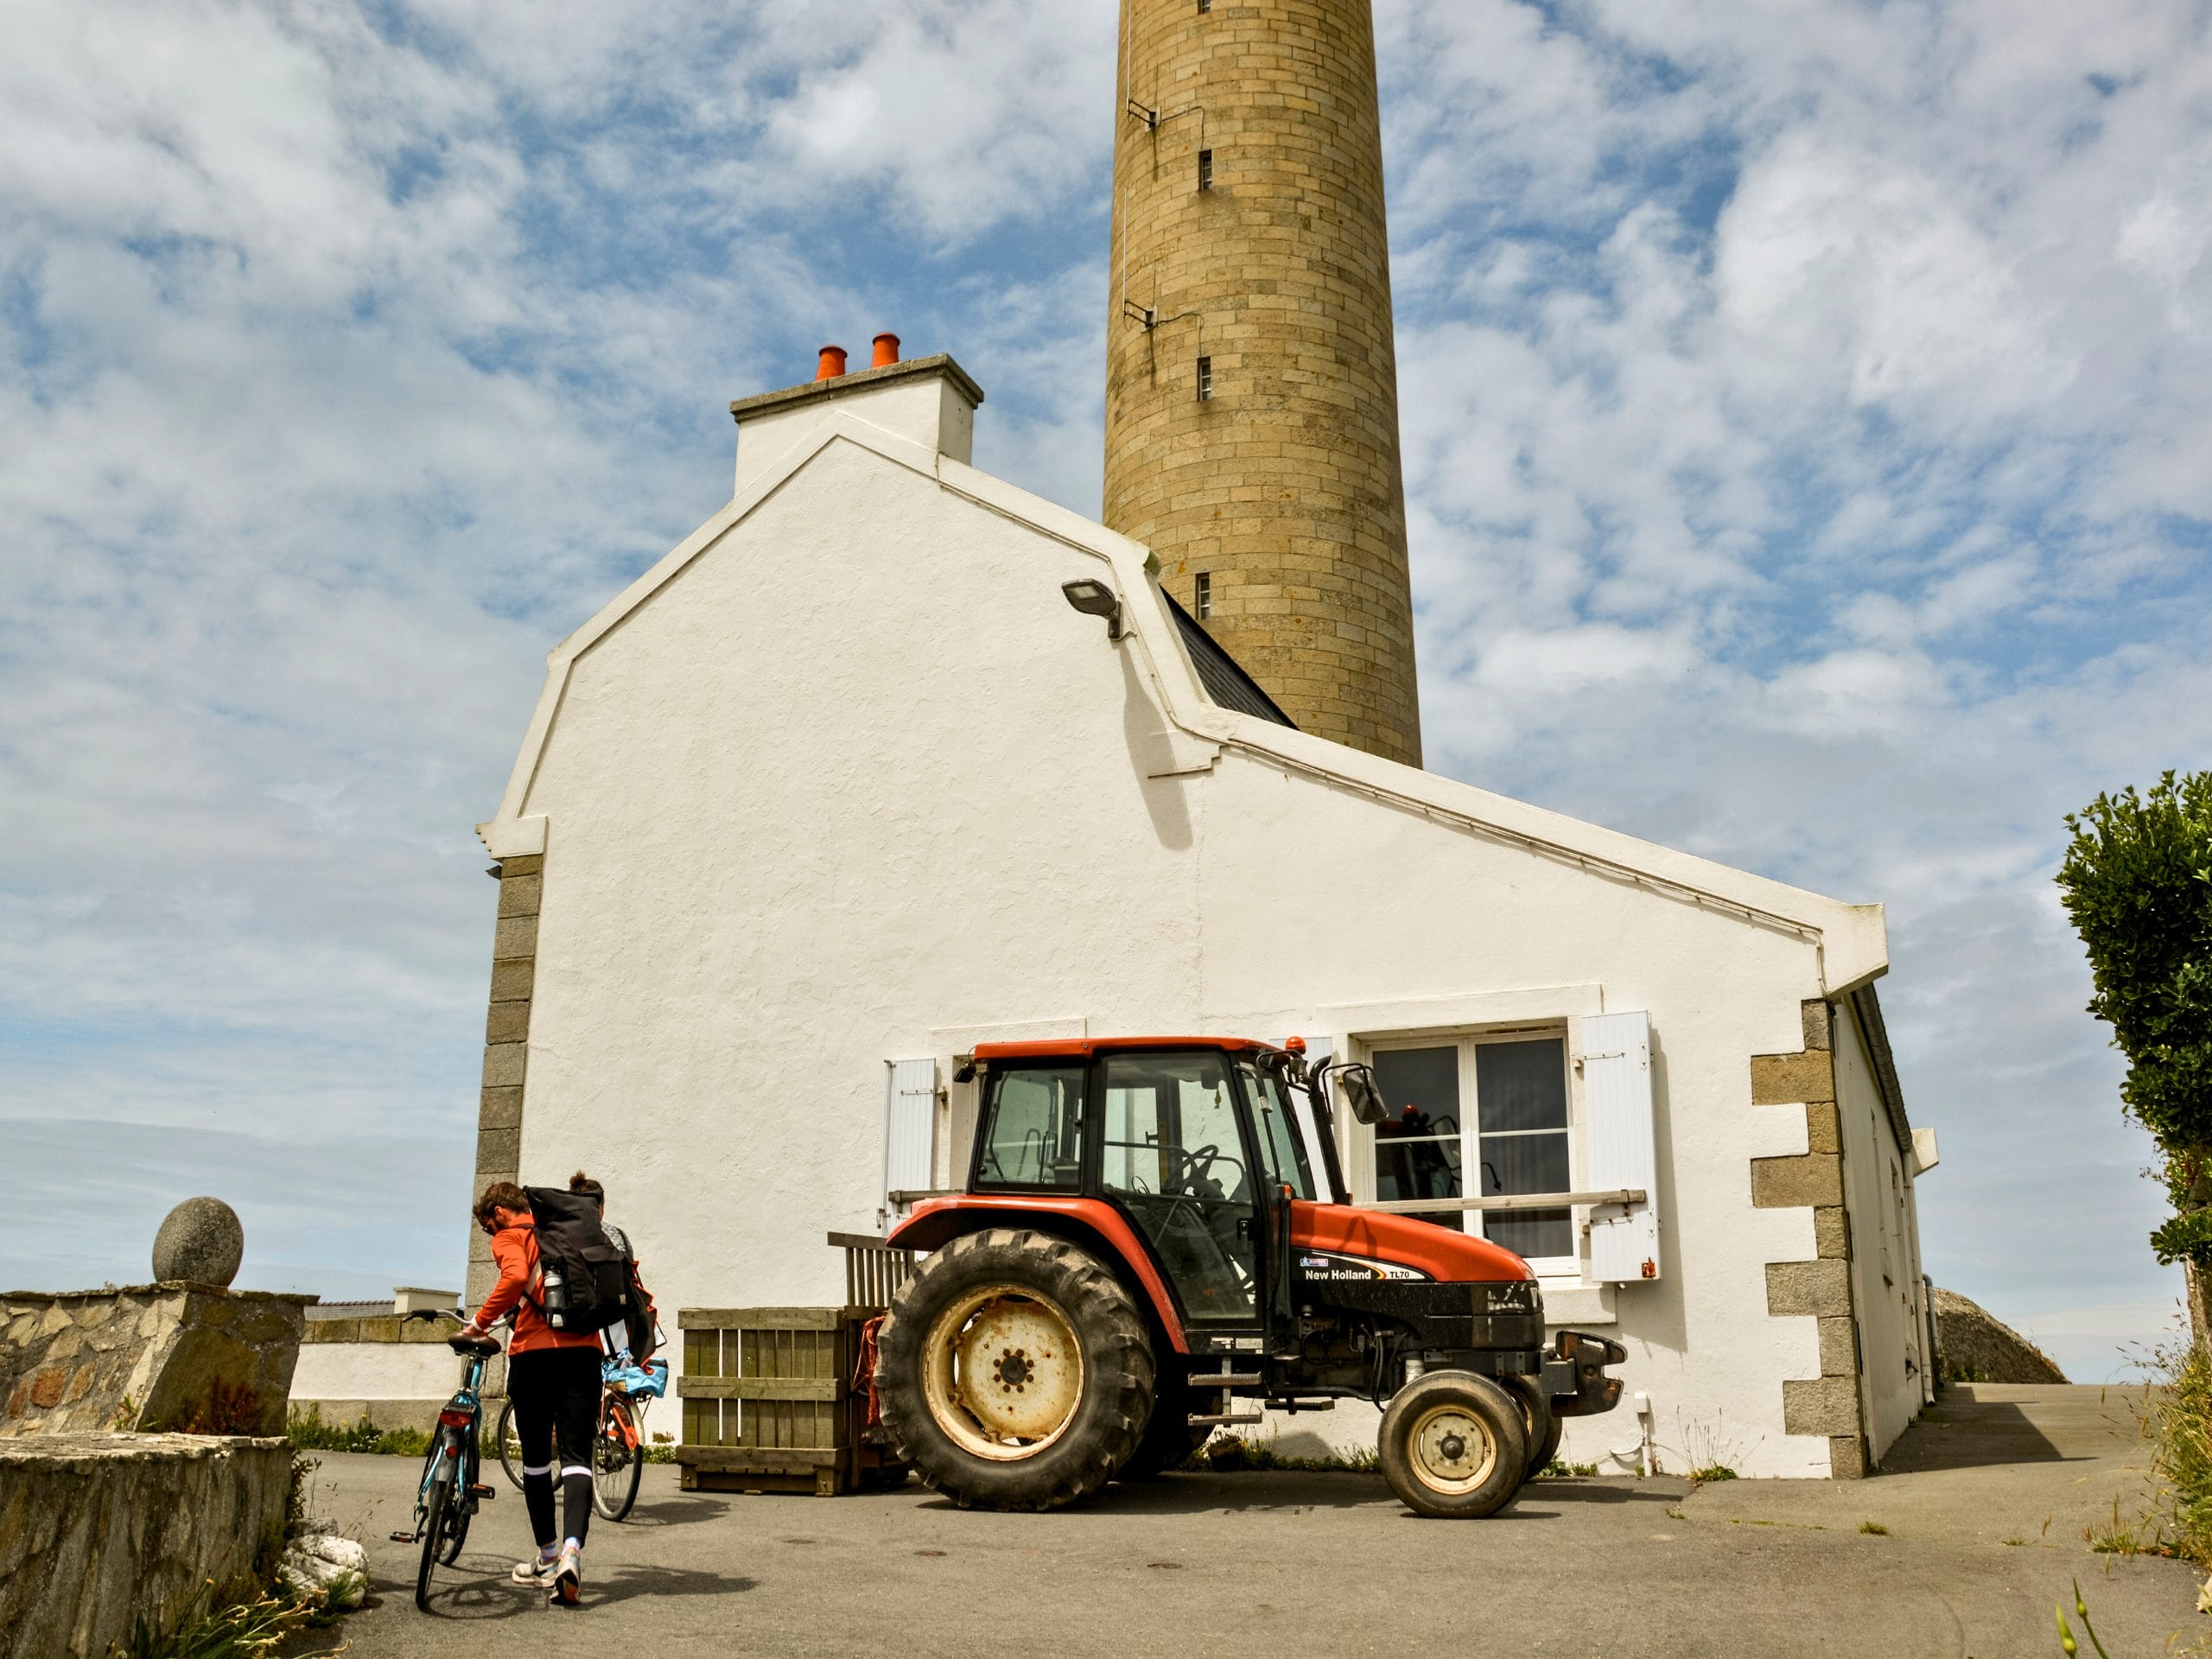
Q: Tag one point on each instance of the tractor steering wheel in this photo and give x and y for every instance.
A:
(1197, 1162)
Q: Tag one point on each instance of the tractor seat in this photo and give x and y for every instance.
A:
(481, 1347)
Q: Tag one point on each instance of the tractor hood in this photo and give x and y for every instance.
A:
(1439, 1252)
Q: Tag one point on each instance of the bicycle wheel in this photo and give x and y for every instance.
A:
(456, 1527)
(510, 1445)
(434, 1527)
(618, 1461)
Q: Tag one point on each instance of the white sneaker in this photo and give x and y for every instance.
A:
(568, 1575)
(538, 1569)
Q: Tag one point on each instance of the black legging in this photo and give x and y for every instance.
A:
(556, 1392)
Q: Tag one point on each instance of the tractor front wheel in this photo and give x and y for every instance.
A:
(1542, 1427)
(1452, 1445)
(1014, 1371)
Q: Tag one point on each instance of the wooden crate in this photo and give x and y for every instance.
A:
(768, 1401)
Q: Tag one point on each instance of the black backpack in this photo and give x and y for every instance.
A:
(587, 1280)
(641, 1322)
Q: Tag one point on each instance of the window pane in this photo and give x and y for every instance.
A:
(1034, 1135)
(1175, 1160)
(1532, 1232)
(1417, 1149)
(1279, 1136)
(1521, 1085)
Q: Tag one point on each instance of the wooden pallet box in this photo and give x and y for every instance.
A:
(769, 1403)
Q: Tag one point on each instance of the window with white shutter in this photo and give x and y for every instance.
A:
(909, 1133)
(1619, 1144)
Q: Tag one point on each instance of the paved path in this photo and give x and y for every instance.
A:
(1292, 1565)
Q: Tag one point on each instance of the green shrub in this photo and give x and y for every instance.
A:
(310, 1433)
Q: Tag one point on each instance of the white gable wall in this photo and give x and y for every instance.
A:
(855, 776)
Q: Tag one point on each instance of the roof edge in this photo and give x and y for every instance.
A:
(838, 386)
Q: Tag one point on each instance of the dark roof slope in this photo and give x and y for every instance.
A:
(1868, 1008)
(1224, 677)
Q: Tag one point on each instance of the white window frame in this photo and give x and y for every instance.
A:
(1467, 1041)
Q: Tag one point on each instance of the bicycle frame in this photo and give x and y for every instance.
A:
(460, 1451)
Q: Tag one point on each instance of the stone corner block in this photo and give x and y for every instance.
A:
(1818, 1288)
(1819, 1018)
(1847, 1457)
(1821, 1405)
(1814, 1180)
(1785, 1079)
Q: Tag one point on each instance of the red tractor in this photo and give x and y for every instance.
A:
(1153, 1228)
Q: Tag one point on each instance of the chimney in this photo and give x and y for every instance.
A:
(926, 400)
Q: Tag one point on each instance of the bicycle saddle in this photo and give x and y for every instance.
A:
(482, 1347)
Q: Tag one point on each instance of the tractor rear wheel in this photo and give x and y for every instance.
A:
(1452, 1445)
(1014, 1371)
(1537, 1420)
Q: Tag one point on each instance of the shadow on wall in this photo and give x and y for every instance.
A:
(1141, 726)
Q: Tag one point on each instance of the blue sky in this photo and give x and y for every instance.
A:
(1807, 412)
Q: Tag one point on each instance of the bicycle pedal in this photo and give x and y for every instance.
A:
(478, 1489)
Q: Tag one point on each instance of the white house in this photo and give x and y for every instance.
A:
(843, 785)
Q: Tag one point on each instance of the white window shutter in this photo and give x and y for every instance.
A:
(1618, 1136)
(909, 1131)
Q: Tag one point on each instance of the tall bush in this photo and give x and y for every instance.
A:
(2137, 882)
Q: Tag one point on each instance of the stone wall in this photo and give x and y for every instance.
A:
(1978, 1347)
(148, 1357)
(97, 1530)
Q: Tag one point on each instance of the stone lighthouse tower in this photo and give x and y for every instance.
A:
(1251, 385)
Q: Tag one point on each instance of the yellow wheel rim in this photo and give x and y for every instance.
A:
(1452, 1453)
(1002, 1372)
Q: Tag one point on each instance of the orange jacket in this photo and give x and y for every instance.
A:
(515, 1249)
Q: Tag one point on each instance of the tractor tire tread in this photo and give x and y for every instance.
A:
(1114, 1341)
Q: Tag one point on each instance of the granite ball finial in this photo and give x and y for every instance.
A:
(201, 1240)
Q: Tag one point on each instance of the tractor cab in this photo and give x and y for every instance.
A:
(1198, 1177)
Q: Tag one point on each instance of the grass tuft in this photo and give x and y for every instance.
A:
(1555, 1470)
(1874, 1528)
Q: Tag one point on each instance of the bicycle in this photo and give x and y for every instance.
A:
(619, 1444)
(447, 1500)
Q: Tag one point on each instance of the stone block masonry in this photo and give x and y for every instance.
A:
(148, 1357)
(1275, 473)
(98, 1530)
(506, 1046)
(1826, 1405)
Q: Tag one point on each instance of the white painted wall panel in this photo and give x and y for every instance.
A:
(909, 1130)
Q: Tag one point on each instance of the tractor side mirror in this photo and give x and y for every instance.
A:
(1361, 1094)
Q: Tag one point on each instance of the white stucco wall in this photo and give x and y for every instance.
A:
(374, 1370)
(846, 781)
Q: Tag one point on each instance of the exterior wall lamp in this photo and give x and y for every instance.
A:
(1095, 598)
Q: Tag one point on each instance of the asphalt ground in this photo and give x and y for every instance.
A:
(1985, 1510)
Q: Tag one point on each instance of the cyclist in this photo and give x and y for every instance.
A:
(553, 1379)
(622, 1367)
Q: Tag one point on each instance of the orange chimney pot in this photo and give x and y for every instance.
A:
(833, 363)
(887, 352)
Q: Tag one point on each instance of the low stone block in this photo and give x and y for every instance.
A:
(1832, 1233)
(1783, 1079)
(1847, 1457)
